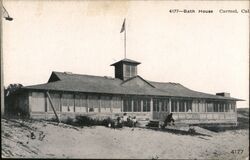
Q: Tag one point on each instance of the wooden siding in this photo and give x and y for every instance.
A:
(37, 101)
(93, 103)
(67, 102)
(105, 106)
(56, 102)
(81, 104)
(196, 111)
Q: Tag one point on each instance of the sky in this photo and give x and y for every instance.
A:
(204, 52)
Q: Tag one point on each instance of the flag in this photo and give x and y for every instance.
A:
(123, 26)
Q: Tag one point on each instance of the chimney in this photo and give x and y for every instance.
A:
(224, 94)
(125, 69)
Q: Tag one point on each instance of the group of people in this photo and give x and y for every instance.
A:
(124, 120)
(129, 121)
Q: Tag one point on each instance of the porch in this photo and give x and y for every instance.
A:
(199, 117)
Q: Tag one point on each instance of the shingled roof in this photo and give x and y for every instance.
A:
(126, 60)
(62, 81)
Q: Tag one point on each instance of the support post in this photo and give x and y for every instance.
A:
(142, 105)
(185, 106)
(60, 102)
(177, 106)
(205, 103)
(30, 100)
(151, 107)
(132, 105)
(87, 99)
(111, 104)
(52, 106)
(46, 104)
(122, 100)
(74, 97)
(99, 109)
(205, 106)
(169, 104)
(224, 107)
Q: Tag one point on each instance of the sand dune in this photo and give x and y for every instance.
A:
(64, 141)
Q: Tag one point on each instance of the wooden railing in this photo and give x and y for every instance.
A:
(204, 115)
(198, 116)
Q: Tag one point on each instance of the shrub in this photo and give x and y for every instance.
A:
(88, 121)
(84, 121)
(69, 121)
(191, 130)
(107, 121)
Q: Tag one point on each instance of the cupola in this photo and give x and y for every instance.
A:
(125, 69)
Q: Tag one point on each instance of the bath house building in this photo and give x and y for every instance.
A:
(102, 96)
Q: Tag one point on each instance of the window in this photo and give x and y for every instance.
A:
(174, 106)
(202, 106)
(216, 107)
(67, 103)
(164, 106)
(210, 107)
(127, 70)
(160, 105)
(80, 103)
(127, 105)
(146, 105)
(221, 107)
(132, 71)
(116, 104)
(181, 106)
(93, 103)
(105, 103)
(195, 106)
(188, 106)
(155, 105)
(226, 107)
(233, 105)
(137, 105)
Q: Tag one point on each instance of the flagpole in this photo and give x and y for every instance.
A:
(125, 41)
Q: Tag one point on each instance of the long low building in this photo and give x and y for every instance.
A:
(76, 94)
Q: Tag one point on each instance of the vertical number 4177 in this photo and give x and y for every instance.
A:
(237, 151)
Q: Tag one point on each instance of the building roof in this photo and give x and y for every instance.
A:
(125, 60)
(63, 81)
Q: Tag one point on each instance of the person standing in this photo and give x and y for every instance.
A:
(134, 121)
(125, 118)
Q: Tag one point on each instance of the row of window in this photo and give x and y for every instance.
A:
(189, 106)
(162, 105)
(139, 105)
(79, 103)
(82, 103)
(184, 106)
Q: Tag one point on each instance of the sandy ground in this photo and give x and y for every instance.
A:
(65, 141)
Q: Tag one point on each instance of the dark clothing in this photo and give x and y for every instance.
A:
(168, 120)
